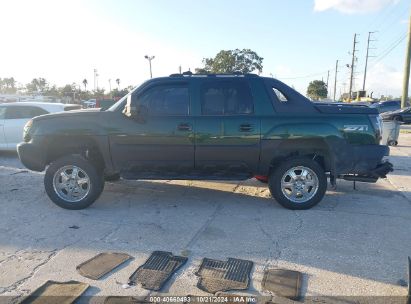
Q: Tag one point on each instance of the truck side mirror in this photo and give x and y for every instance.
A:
(129, 109)
(135, 111)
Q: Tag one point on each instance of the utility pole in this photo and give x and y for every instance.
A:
(179, 69)
(353, 64)
(74, 91)
(95, 75)
(109, 84)
(328, 78)
(366, 58)
(149, 58)
(404, 98)
(335, 80)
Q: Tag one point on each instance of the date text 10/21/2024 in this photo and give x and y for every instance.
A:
(203, 299)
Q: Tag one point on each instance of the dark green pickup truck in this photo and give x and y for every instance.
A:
(207, 127)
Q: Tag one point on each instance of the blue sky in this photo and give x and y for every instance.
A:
(300, 40)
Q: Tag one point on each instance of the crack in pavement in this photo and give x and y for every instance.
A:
(367, 213)
(20, 282)
(277, 243)
(207, 223)
(53, 253)
(15, 255)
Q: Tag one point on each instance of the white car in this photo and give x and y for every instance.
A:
(14, 116)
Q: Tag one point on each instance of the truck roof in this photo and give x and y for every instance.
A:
(236, 74)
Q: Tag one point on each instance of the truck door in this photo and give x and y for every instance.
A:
(161, 143)
(227, 130)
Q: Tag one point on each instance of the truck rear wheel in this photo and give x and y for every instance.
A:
(72, 182)
(298, 183)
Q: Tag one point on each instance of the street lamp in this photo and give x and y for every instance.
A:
(149, 58)
(95, 76)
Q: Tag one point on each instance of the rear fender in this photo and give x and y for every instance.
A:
(315, 140)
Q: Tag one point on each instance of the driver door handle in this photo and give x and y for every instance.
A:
(246, 127)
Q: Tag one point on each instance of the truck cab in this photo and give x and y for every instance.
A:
(224, 127)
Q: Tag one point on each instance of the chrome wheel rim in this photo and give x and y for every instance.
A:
(299, 184)
(71, 183)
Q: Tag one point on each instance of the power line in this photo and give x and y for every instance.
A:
(382, 55)
(381, 16)
(389, 48)
(387, 51)
(393, 42)
(396, 19)
(307, 76)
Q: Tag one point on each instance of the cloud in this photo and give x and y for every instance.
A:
(352, 6)
(383, 79)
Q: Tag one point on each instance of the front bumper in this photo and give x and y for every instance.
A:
(32, 156)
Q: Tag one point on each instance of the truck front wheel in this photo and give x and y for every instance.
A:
(72, 182)
(298, 183)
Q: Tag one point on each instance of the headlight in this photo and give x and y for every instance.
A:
(26, 131)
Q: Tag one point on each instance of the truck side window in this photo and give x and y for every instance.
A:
(226, 98)
(280, 96)
(166, 100)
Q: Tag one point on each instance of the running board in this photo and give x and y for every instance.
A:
(359, 178)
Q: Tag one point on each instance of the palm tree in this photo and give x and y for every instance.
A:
(118, 83)
(12, 83)
(85, 82)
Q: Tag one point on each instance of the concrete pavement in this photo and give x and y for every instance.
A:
(355, 242)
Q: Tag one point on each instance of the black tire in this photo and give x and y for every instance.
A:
(96, 184)
(274, 183)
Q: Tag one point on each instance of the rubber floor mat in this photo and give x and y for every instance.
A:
(215, 275)
(156, 271)
(283, 282)
(52, 292)
(102, 264)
